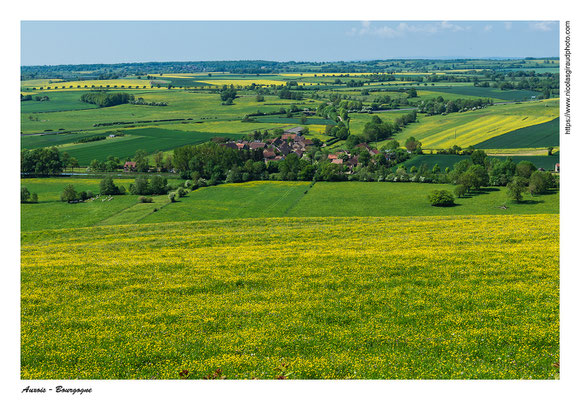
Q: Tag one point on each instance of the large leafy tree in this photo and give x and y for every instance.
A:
(44, 161)
(158, 185)
(141, 161)
(515, 188)
(108, 187)
(69, 194)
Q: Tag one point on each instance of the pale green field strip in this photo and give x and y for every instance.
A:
(521, 151)
(136, 212)
(181, 104)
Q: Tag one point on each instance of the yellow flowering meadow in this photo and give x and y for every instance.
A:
(299, 298)
(248, 82)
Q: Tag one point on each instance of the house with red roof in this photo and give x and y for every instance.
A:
(130, 166)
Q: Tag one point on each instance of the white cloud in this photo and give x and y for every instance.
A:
(426, 28)
(454, 27)
(543, 26)
(403, 28)
(386, 31)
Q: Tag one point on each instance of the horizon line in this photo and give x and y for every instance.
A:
(442, 58)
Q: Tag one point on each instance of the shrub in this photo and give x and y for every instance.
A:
(540, 182)
(83, 195)
(525, 169)
(460, 190)
(108, 187)
(24, 194)
(33, 198)
(158, 185)
(172, 197)
(143, 199)
(515, 188)
(181, 192)
(141, 186)
(441, 198)
(69, 194)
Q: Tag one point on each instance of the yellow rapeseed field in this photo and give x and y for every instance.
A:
(479, 129)
(105, 83)
(248, 82)
(39, 82)
(472, 127)
(320, 74)
(297, 298)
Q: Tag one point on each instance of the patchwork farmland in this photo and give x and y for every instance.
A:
(265, 220)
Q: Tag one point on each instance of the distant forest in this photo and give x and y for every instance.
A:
(114, 71)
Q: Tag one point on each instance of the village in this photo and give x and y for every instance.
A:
(293, 141)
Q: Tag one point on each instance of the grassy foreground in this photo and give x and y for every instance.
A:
(301, 298)
(263, 199)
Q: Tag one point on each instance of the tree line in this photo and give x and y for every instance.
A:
(211, 164)
(439, 105)
(104, 99)
(29, 97)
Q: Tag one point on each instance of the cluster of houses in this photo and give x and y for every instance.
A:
(343, 157)
(292, 141)
(277, 149)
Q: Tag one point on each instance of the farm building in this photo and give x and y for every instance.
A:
(256, 145)
(289, 136)
(231, 145)
(130, 166)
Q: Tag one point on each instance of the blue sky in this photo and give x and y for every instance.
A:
(86, 42)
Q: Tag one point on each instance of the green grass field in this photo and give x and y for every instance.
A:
(51, 213)
(506, 95)
(262, 199)
(59, 101)
(249, 200)
(54, 139)
(339, 199)
(50, 189)
(181, 104)
(541, 135)
(148, 139)
(358, 120)
(425, 93)
(374, 199)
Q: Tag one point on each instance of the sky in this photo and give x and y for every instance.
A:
(108, 42)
